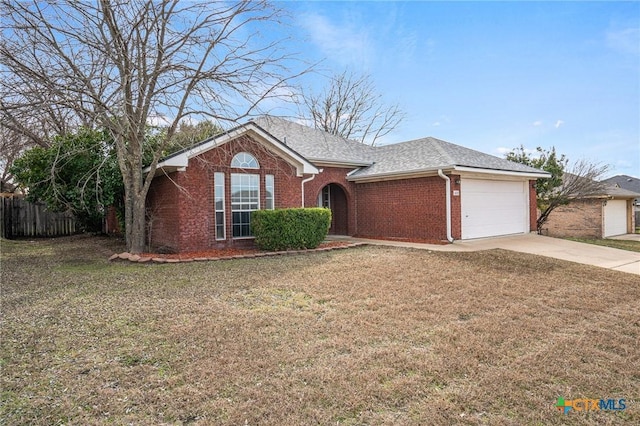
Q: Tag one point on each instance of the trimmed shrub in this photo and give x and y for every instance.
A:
(285, 229)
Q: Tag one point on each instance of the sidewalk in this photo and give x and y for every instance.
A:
(588, 254)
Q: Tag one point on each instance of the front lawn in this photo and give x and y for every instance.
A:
(607, 242)
(370, 335)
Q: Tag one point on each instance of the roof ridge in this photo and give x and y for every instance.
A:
(441, 149)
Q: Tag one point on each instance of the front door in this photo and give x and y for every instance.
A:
(333, 197)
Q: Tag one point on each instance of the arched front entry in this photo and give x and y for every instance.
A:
(333, 197)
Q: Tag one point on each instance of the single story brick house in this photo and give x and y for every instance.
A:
(425, 189)
(608, 213)
(630, 183)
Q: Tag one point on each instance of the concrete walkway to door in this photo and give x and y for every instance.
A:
(588, 254)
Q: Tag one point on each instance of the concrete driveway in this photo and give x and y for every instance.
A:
(628, 237)
(588, 254)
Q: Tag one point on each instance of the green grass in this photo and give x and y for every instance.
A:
(606, 242)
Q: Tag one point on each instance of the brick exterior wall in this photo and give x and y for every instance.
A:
(533, 206)
(182, 215)
(111, 222)
(182, 207)
(406, 208)
(337, 176)
(580, 218)
(163, 220)
(456, 208)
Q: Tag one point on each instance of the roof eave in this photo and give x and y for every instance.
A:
(431, 171)
(180, 160)
(323, 162)
(405, 174)
(534, 175)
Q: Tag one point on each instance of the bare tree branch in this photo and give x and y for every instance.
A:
(351, 108)
(118, 63)
(567, 183)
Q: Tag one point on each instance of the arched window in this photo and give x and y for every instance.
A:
(244, 160)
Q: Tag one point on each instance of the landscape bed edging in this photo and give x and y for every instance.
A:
(135, 258)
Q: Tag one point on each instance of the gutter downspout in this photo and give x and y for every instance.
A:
(448, 202)
(303, 182)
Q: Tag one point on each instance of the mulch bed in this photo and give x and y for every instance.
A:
(222, 254)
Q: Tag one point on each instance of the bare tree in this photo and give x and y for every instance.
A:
(28, 121)
(118, 64)
(567, 183)
(350, 107)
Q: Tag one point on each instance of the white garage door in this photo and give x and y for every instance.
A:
(615, 218)
(493, 207)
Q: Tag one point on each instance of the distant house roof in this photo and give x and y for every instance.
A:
(399, 159)
(601, 189)
(624, 182)
(614, 191)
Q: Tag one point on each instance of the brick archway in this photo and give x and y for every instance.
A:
(334, 197)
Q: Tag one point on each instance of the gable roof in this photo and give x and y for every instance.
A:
(625, 182)
(597, 189)
(180, 160)
(395, 160)
(306, 148)
(617, 192)
(317, 145)
(431, 154)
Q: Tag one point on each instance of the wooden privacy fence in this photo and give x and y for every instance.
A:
(21, 218)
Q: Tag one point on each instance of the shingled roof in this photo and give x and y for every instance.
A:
(420, 155)
(625, 182)
(316, 145)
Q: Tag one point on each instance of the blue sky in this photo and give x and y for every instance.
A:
(492, 75)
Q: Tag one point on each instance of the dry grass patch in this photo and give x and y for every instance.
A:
(362, 336)
(628, 245)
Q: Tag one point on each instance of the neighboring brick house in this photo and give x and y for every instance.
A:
(629, 183)
(426, 189)
(606, 214)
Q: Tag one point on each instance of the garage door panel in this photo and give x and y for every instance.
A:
(492, 208)
(615, 218)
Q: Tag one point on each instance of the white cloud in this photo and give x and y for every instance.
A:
(435, 123)
(159, 120)
(503, 150)
(626, 40)
(342, 42)
(537, 123)
(559, 123)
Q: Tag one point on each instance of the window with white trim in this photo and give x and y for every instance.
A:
(269, 196)
(218, 181)
(324, 198)
(244, 160)
(245, 198)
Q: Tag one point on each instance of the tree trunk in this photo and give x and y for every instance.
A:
(544, 216)
(135, 219)
(137, 235)
(135, 194)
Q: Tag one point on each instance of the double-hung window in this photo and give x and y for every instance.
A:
(269, 197)
(218, 182)
(245, 198)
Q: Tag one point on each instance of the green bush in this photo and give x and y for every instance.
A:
(284, 229)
